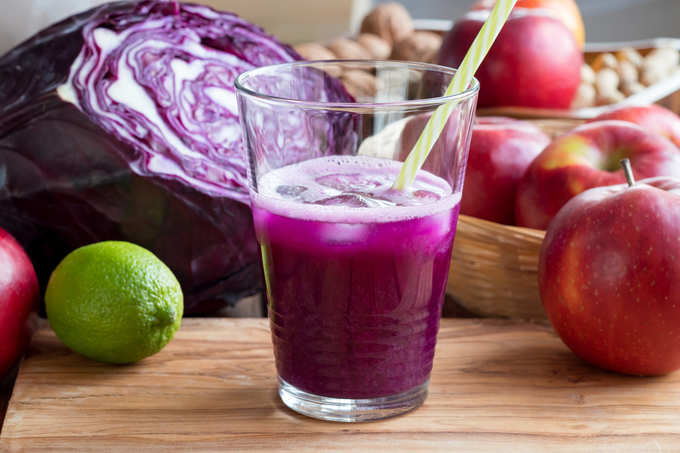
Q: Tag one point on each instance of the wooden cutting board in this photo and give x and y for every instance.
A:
(496, 386)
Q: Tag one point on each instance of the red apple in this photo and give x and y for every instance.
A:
(565, 10)
(589, 157)
(19, 298)
(535, 61)
(653, 118)
(609, 276)
(501, 150)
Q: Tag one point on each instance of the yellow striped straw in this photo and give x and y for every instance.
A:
(461, 80)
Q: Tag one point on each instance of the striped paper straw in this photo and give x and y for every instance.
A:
(461, 80)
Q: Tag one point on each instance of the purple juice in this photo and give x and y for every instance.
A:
(356, 273)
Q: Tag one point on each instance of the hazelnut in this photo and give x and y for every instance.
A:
(314, 51)
(652, 73)
(667, 55)
(606, 81)
(630, 89)
(360, 84)
(375, 45)
(585, 96)
(611, 97)
(607, 86)
(587, 74)
(658, 64)
(417, 46)
(630, 55)
(390, 21)
(347, 49)
(628, 73)
(604, 60)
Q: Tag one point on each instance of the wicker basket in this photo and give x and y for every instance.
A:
(494, 269)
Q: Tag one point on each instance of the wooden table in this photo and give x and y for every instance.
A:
(496, 386)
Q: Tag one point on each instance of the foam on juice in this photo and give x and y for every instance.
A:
(350, 189)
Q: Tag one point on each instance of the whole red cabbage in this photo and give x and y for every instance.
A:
(121, 123)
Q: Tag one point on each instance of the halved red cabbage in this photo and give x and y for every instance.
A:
(121, 123)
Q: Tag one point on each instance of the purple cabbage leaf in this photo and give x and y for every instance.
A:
(121, 123)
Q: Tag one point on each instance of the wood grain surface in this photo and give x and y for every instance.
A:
(496, 386)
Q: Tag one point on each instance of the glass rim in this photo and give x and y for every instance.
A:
(373, 105)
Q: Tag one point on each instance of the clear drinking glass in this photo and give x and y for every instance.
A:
(355, 271)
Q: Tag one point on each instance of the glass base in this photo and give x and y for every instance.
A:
(350, 410)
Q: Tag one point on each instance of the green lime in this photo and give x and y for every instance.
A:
(114, 302)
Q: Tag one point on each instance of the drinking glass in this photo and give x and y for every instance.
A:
(355, 270)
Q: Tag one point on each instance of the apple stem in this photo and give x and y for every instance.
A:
(628, 171)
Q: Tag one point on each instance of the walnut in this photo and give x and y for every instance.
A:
(417, 46)
(431, 57)
(314, 51)
(347, 49)
(390, 21)
(360, 84)
(375, 45)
